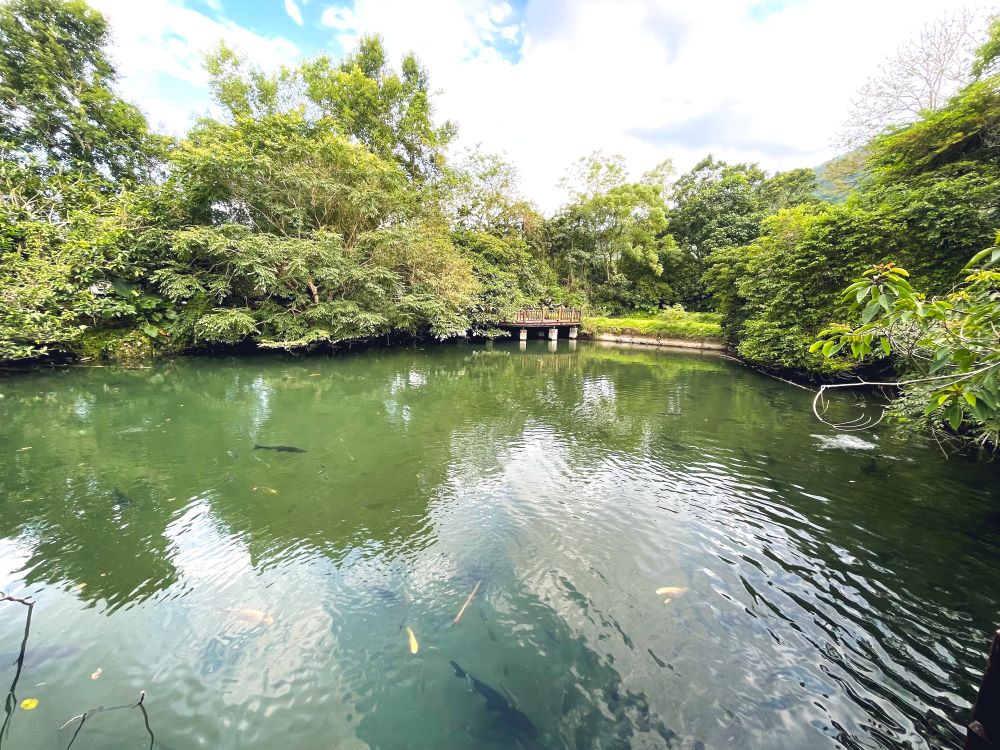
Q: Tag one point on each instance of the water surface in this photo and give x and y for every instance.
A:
(833, 591)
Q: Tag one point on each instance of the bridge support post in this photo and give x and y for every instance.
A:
(573, 331)
(522, 335)
(553, 334)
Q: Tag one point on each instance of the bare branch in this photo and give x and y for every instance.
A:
(918, 77)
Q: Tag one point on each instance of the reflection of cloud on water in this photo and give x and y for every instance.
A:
(14, 556)
(249, 634)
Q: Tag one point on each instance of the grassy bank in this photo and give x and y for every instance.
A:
(671, 323)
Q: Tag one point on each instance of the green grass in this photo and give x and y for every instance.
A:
(670, 323)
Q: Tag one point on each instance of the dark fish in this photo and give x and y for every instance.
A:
(509, 714)
(493, 636)
(279, 448)
(122, 500)
(35, 656)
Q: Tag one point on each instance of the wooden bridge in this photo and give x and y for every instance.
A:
(552, 318)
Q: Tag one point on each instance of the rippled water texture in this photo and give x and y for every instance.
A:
(825, 590)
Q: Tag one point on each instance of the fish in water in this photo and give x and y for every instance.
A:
(671, 592)
(512, 716)
(121, 500)
(252, 616)
(279, 448)
(414, 646)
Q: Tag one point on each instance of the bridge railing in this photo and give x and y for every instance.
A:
(545, 314)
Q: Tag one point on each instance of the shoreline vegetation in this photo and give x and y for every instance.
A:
(325, 203)
(670, 323)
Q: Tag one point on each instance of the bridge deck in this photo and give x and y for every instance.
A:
(545, 317)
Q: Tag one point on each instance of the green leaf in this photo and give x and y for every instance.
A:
(954, 416)
(869, 311)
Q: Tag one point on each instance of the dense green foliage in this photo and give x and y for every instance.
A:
(669, 322)
(317, 209)
(947, 344)
(930, 201)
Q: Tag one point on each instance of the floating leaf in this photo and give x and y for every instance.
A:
(29, 704)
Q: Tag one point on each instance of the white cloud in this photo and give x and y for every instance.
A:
(499, 13)
(341, 19)
(293, 12)
(215, 5)
(648, 78)
(160, 47)
(509, 33)
(651, 79)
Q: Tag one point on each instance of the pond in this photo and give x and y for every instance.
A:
(510, 516)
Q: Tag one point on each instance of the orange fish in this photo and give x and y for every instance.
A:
(253, 616)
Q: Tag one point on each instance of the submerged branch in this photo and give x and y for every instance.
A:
(101, 709)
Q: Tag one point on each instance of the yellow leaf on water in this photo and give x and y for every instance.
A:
(29, 704)
(96, 674)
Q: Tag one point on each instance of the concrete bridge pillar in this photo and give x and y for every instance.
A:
(573, 331)
(523, 334)
(553, 334)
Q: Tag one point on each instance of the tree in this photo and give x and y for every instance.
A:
(485, 196)
(390, 113)
(945, 346)
(919, 77)
(56, 102)
(988, 55)
(795, 187)
(716, 205)
(594, 174)
(612, 237)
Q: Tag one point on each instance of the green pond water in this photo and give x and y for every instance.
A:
(841, 589)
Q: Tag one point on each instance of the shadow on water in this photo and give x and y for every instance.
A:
(832, 592)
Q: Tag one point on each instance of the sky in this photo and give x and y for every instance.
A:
(548, 81)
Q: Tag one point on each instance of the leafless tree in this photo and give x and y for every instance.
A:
(919, 76)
